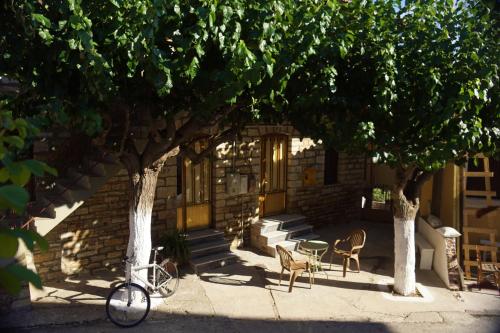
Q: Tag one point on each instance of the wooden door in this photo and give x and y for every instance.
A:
(274, 152)
(196, 206)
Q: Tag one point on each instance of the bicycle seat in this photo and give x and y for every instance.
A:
(157, 248)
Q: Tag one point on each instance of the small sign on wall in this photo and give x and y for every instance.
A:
(233, 184)
(243, 184)
(237, 183)
(309, 176)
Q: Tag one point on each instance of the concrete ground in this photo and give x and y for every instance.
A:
(246, 297)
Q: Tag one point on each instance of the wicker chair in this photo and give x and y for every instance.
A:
(349, 248)
(485, 269)
(295, 267)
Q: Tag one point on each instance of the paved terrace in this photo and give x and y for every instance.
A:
(245, 297)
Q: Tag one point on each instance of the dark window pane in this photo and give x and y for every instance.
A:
(331, 166)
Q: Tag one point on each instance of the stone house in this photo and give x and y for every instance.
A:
(271, 171)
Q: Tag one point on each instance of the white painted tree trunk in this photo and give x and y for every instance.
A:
(140, 210)
(404, 256)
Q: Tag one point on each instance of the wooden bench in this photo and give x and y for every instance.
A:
(426, 252)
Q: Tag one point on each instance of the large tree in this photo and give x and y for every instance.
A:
(415, 86)
(150, 77)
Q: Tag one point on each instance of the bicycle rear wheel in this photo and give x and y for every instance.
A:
(127, 309)
(167, 277)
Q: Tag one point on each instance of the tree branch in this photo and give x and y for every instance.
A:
(126, 130)
(423, 177)
(196, 158)
(403, 175)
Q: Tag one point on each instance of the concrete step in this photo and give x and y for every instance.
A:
(203, 236)
(80, 182)
(281, 235)
(290, 244)
(286, 220)
(213, 261)
(277, 222)
(58, 196)
(262, 227)
(208, 248)
(41, 208)
(104, 158)
(94, 168)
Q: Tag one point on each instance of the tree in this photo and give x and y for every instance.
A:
(150, 77)
(14, 175)
(415, 86)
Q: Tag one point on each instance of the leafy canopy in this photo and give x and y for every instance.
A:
(75, 59)
(416, 85)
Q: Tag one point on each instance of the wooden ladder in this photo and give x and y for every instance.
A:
(468, 211)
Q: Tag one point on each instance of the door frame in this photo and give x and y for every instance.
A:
(184, 205)
(263, 193)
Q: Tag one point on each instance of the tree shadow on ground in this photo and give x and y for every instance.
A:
(159, 321)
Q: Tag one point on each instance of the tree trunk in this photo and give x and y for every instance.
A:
(141, 200)
(404, 244)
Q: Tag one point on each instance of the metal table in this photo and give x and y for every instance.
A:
(315, 250)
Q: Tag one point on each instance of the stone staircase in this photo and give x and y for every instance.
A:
(287, 230)
(209, 250)
(58, 199)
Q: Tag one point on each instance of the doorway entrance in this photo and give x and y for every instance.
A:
(274, 151)
(195, 212)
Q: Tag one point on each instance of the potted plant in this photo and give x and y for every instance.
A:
(175, 246)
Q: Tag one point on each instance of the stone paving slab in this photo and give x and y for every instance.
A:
(246, 297)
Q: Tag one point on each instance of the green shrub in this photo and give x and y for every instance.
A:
(175, 246)
(381, 194)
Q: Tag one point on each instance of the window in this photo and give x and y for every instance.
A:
(179, 174)
(331, 166)
(274, 150)
(197, 178)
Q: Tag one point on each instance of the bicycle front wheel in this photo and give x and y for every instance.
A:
(128, 305)
(167, 278)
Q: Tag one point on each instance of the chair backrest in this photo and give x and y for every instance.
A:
(357, 239)
(285, 256)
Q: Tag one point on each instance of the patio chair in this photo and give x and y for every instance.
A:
(349, 248)
(486, 269)
(295, 267)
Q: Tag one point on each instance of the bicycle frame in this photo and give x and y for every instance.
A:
(134, 274)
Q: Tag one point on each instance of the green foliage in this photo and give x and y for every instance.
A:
(75, 60)
(380, 194)
(418, 85)
(16, 174)
(175, 246)
(13, 274)
(13, 176)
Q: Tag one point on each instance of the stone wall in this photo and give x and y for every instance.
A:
(340, 202)
(94, 237)
(334, 203)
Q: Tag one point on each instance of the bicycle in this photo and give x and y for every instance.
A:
(129, 303)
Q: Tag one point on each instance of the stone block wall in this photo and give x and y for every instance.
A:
(336, 203)
(94, 237)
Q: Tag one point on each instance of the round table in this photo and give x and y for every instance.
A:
(315, 250)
